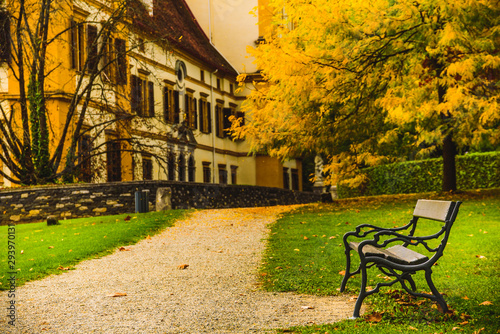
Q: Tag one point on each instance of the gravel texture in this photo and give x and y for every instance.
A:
(216, 292)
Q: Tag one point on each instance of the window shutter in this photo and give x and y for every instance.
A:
(227, 112)
(209, 117)
(92, 56)
(217, 122)
(241, 114)
(135, 90)
(200, 108)
(121, 61)
(176, 107)
(74, 44)
(151, 98)
(165, 104)
(195, 114)
(4, 36)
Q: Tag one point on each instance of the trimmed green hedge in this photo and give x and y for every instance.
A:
(474, 171)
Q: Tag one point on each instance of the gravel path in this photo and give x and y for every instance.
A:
(217, 293)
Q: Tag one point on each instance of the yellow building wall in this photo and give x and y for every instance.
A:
(269, 172)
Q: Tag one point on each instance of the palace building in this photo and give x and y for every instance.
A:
(161, 108)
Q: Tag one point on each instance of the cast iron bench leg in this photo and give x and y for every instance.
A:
(439, 298)
(347, 274)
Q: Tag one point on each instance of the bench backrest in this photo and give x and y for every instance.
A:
(436, 210)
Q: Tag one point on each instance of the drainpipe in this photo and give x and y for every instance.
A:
(212, 113)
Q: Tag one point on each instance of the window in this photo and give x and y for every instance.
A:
(191, 115)
(113, 159)
(219, 86)
(151, 100)
(171, 109)
(219, 121)
(234, 170)
(222, 174)
(204, 114)
(84, 163)
(171, 167)
(222, 120)
(191, 169)
(206, 172)
(92, 48)
(231, 89)
(77, 45)
(142, 99)
(121, 61)
(140, 45)
(295, 179)
(182, 168)
(4, 36)
(202, 76)
(286, 178)
(147, 167)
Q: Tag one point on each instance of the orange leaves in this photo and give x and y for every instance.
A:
(118, 294)
(182, 266)
(123, 249)
(486, 303)
(374, 317)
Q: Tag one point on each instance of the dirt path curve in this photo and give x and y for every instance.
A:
(217, 293)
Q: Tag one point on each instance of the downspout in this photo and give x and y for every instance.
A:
(212, 112)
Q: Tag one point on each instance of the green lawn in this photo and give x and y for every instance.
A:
(305, 254)
(42, 250)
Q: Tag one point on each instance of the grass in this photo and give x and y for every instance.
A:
(43, 250)
(305, 254)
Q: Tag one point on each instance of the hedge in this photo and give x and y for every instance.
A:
(474, 171)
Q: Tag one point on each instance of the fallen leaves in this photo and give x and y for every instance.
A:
(342, 272)
(127, 218)
(373, 317)
(118, 294)
(63, 268)
(123, 249)
(486, 303)
(182, 266)
(307, 307)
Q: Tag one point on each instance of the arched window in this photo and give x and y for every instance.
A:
(191, 169)
(171, 167)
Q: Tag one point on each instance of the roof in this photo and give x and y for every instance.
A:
(173, 20)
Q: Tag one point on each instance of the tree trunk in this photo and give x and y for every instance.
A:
(449, 150)
(449, 168)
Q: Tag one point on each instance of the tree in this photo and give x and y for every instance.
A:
(368, 82)
(72, 86)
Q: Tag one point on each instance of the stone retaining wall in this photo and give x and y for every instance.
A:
(82, 200)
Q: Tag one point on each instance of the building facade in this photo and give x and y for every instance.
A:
(161, 98)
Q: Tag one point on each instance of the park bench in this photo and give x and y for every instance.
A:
(399, 261)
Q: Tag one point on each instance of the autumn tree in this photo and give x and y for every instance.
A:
(376, 81)
(71, 86)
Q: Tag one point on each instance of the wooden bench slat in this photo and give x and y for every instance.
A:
(407, 255)
(436, 210)
(398, 254)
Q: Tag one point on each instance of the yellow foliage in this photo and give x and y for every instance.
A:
(350, 78)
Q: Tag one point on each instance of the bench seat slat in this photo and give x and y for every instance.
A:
(398, 254)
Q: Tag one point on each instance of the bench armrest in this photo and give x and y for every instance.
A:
(374, 229)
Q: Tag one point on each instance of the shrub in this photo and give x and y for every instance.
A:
(474, 171)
